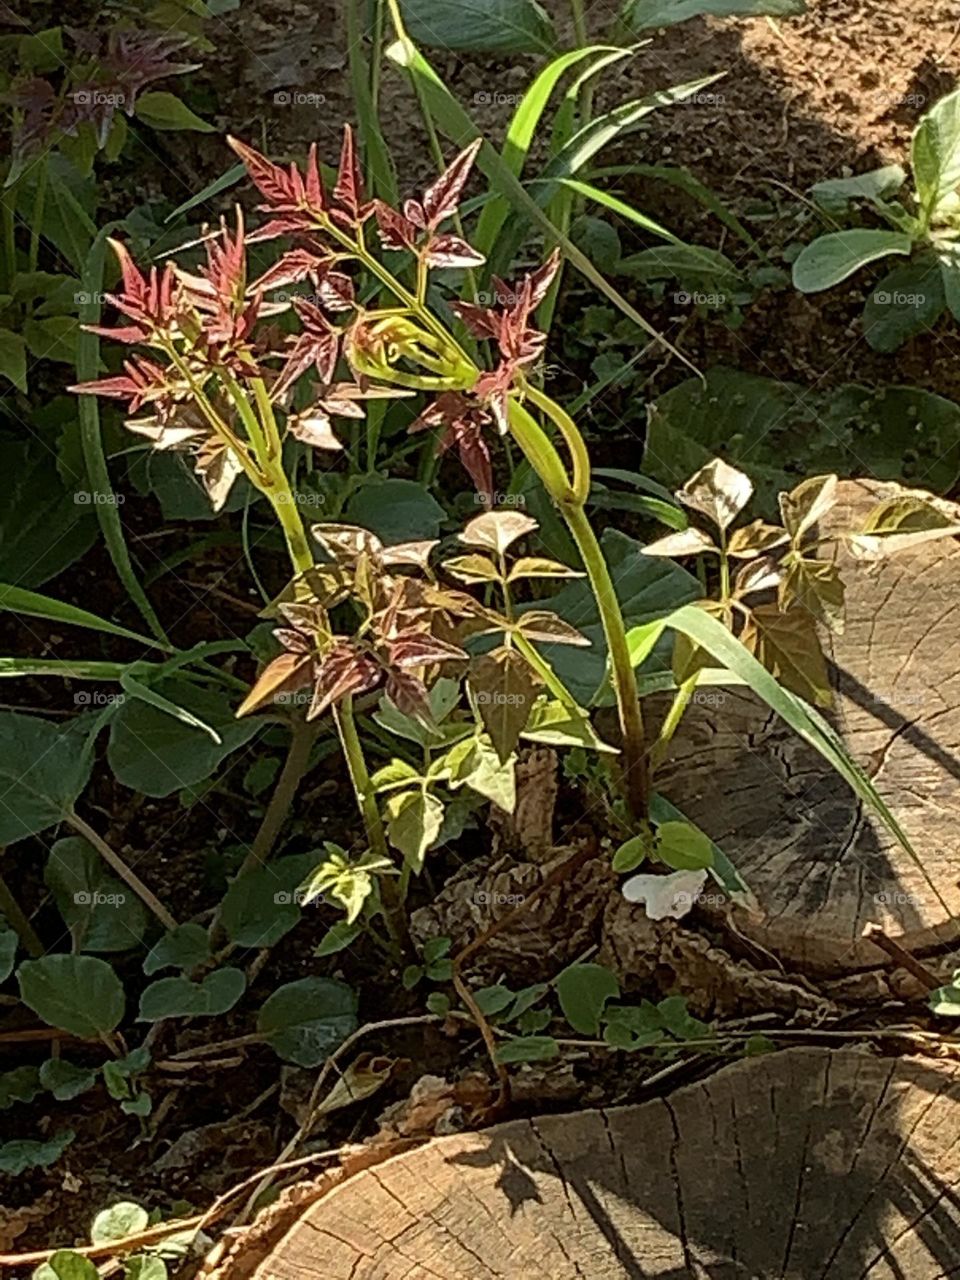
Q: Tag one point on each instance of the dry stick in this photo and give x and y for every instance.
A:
(129, 877)
(304, 1131)
(16, 918)
(555, 877)
(903, 957)
(302, 737)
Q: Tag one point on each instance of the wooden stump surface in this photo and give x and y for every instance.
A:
(802, 1165)
(821, 866)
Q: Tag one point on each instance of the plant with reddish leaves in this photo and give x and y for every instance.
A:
(224, 382)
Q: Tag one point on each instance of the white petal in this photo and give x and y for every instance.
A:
(666, 897)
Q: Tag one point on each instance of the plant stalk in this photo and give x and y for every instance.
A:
(303, 734)
(393, 911)
(635, 765)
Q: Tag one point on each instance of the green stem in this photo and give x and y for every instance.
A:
(39, 201)
(303, 734)
(8, 239)
(636, 771)
(581, 35)
(16, 918)
(393, 911)
(571, 437)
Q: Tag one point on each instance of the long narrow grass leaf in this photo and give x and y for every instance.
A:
(460, 128)
(107, 509)
(34, 605)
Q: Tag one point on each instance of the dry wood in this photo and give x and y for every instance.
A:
(802, 1165)
(821, 866)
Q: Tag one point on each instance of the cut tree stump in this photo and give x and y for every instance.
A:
(802, 1165)
(820, 864)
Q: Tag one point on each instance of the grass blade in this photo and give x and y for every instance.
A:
(226, 180)
(108, 513)
(521, 130)
(33, 605)
(379, 162)
(460, 128)
(63, 668)
(805, 722)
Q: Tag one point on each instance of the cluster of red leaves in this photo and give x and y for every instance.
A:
(215, 312)
(394, 646)
(114, 69)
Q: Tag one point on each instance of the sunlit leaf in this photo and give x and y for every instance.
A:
(504, 687)
(788, 646)
(718, 491)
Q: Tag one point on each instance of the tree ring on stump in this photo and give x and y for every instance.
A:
(801, 1165)
(821, 864)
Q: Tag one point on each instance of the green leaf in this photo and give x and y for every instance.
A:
(457, 125)
(101, 913)
(67, 221)
(561, 725)
(65, 1080)
(479, 26)
(51, 338)
(145, 1266)
(262, 906)
(162, 110)
(337, 938)
(180, 998)
(522, 129)
(122, 1219)
(946, 1000)
(835, 193)
(19, 1156)
(8, 952)
(42, 772)
(79, 994)
(504, 687)
(33, 605)
(528, 1049)
(155, 754)
(631, 854)
(91, 437)
(762, 425)
(907, 301)
(65, 1264)
(644, 15)
(22, 1084)
(684, 847)
(935, 153)
(13, 359)
(137, 689)
(480, 768)
(236, 173)
(832, 258)
(43, 527)
(583, 990)
(41, 52)
(396, 510)
(305, 1021)
(182, 948)
(493, 1000)
(414, 819)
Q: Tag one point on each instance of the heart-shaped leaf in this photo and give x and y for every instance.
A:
(305, 1021)
(79, 994)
